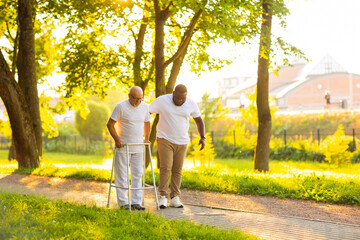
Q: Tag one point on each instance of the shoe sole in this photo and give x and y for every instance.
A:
(181, 206)
(162, 207)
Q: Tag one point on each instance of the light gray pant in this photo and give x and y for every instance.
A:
(136, 165)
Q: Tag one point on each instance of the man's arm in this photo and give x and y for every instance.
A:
(111, 126)
(201, 129)
(147, 132)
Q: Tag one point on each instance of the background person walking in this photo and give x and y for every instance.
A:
(134, 120)
(175, 111)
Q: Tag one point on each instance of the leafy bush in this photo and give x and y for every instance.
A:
(291, 153)
(224, 150)
(335, 148)
(204, 156)
(95, 123)
(242, 139)
(356, 157)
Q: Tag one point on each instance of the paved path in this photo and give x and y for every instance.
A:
(264, 225)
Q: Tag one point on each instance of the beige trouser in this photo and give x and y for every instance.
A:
(172, 158)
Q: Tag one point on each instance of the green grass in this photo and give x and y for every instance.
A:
(277, 166)
(63, 158)
(28, 217)
(286, 179)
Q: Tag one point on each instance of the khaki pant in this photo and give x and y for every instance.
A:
(172, 158)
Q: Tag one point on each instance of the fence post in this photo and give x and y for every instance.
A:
(212, 137)
(354, 143)
(285, 136)
(191, 137)
(318, 133)
(234, 139)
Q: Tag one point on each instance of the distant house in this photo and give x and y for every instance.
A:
(303, 86)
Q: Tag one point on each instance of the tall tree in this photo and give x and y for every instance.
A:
(261, 157)
(26, 66)
(21, 98)
(154, 39)
(20, 119)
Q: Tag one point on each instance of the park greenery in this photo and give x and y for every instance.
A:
(29, 217)
(146, 43)
(308, 180)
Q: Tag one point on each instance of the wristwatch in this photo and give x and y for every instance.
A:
(203, 137)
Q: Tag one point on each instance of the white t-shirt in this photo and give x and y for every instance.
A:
(174, 120)
(131, 120)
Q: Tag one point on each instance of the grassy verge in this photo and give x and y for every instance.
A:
(286, 179)
(27, 217)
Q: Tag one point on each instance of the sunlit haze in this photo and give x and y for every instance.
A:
(317, 27)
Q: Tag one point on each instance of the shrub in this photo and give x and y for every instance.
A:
(95, 123)
(335, 148)
(356, 157)
(291, 153)
(204, 156)
(224, 150)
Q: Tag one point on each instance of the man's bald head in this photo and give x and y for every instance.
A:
(135, 96)
(136, 90)
(179, 95)
(180, 89)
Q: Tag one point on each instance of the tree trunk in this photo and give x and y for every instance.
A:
(160, 18)
(19, 116)
(261, 157)
(27, 68)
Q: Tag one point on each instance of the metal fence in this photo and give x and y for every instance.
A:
(85, 145)
(317, 135)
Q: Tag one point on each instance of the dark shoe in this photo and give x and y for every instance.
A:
(137, 207)
(125, 207)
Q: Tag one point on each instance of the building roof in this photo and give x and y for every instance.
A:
(325, 66)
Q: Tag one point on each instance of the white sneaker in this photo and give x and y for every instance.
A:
(163, 202)
(175, 202)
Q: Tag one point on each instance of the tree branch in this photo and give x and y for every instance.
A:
(185, 39)
(7, 27)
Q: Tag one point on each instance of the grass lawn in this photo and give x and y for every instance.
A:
(286, 179)
(28, 217)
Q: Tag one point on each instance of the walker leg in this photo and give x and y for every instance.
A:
(112, 172)
(143, 177)
(153, 177)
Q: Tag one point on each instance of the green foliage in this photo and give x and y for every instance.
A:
(335, 148)
(204, 156)
(238, 136)
(292, 153)
(78, 144)
(250, 114)
(47, 113)
(66, 129)
(5, 128)
(225, 150)
(29, 217)
(211, 110)
(94, 124)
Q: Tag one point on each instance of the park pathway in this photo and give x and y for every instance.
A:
(260, 222)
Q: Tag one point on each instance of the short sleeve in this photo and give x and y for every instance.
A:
(116, 114)
(154, 106)
(196, 111)
(147, 114)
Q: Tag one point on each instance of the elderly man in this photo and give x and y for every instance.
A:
(134, 121)
(175, 111)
